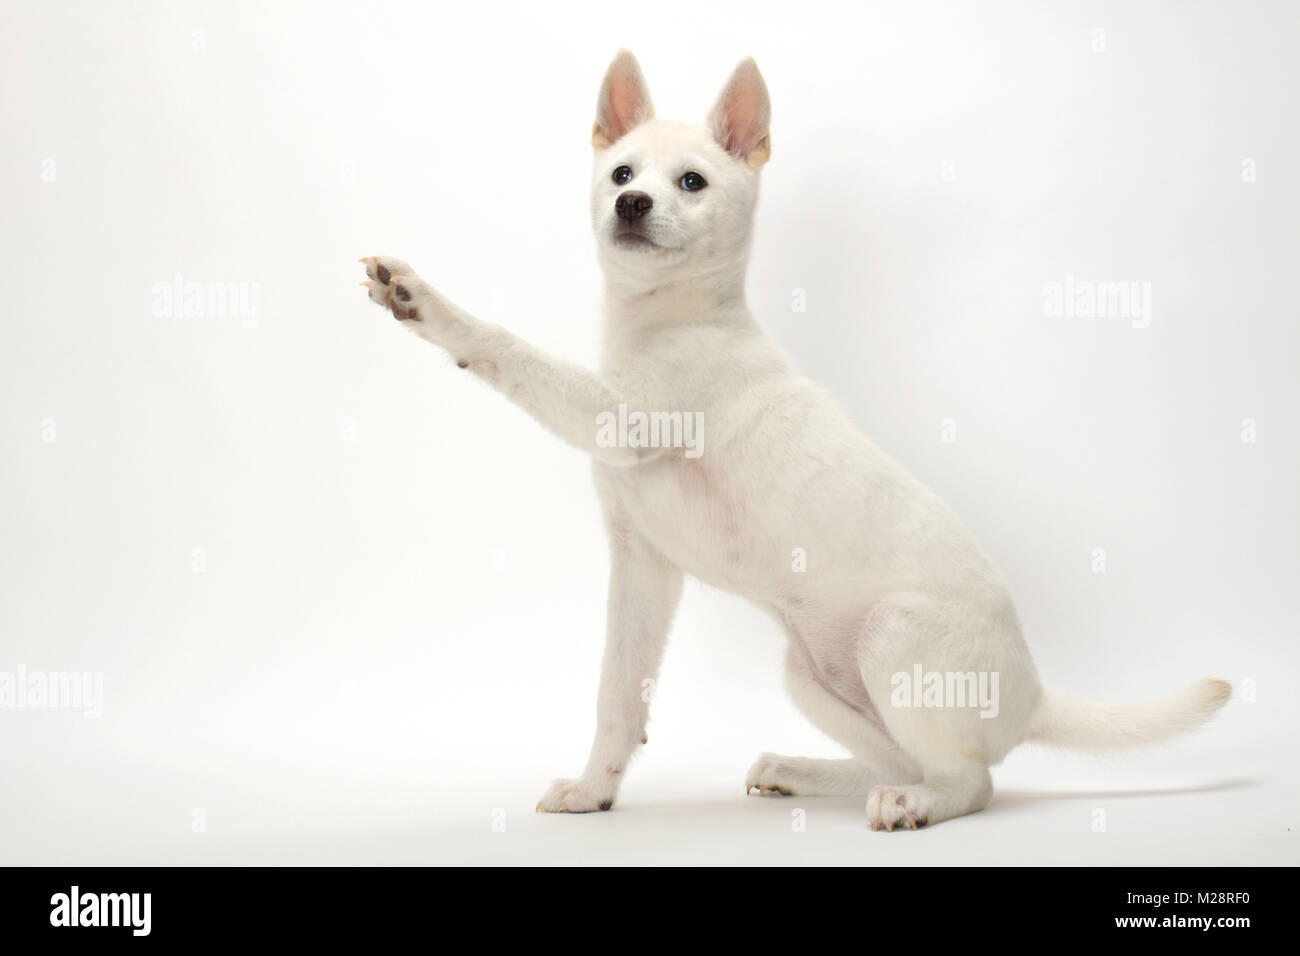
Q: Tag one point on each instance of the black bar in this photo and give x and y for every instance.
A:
(239, 905)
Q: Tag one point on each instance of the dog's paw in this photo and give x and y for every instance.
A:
(380, 271)
(576, 796)
(891, 807)
(392, 284)
(770, 774)
(395, 286)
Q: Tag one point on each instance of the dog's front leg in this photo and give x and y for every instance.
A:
(643, 593)
(565, 398)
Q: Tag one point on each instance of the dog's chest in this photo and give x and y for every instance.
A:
(694, 513)
(698, 501)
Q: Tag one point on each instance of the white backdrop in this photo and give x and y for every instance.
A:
(347, 604)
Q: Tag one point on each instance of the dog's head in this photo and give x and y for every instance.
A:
(672, 201)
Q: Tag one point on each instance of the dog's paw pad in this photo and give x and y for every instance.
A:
(395, 286)
(383, 268)
(402, 287)
(391, 283)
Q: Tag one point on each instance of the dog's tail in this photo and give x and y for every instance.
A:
(1065, 721)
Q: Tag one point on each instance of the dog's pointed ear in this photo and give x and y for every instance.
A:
(623, 103)
(739, 119)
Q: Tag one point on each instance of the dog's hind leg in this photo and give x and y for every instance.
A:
(948, 739)
(876, 757)
(947, 790)
(813, 776)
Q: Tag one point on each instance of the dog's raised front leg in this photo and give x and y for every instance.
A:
(564, 397)
(643, 593)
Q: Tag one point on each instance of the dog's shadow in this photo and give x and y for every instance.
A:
(1005, 801)
(1011, 800)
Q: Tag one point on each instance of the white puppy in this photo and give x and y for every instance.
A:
(904, 644)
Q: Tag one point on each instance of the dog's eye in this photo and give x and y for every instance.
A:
(622, 174)
(693, 182)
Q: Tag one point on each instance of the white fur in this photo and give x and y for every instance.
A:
(893, 578)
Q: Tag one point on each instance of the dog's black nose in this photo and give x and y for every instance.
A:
(632, 205)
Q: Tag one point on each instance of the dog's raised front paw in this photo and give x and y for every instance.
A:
(889, 807)
(769, 775)
(394, 285)
(582, 795)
